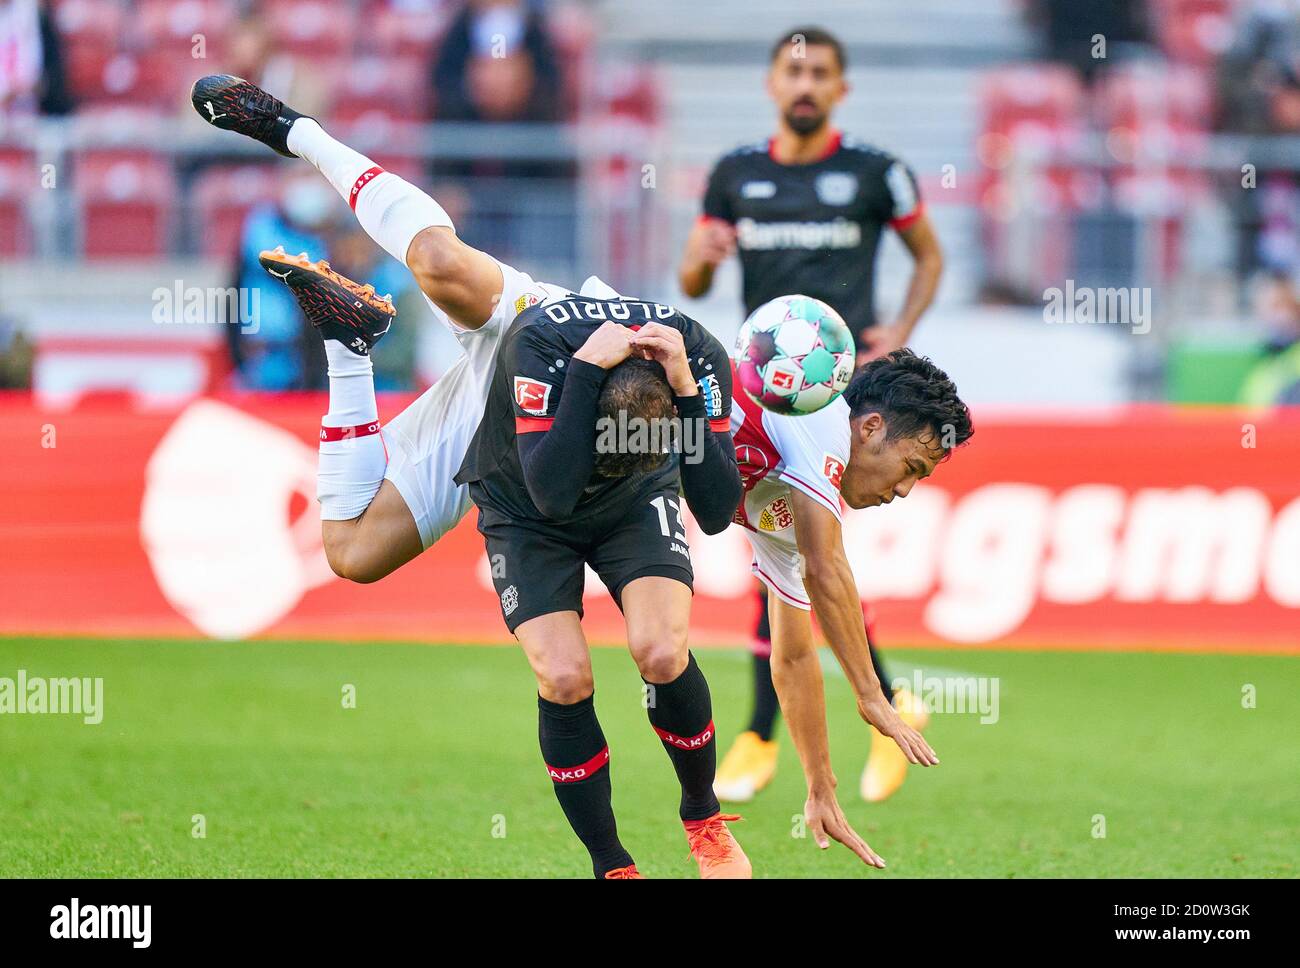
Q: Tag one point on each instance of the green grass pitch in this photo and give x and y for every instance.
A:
(436, 770)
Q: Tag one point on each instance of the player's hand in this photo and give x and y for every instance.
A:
(826, 822)
(711, 241)
(879, 341)
(880, 714)
(607, 347)
(655, 341)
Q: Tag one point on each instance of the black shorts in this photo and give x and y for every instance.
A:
(537, 567)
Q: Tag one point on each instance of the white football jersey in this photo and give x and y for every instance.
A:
(775, 453)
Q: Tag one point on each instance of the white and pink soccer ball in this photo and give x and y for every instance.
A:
(794, 355)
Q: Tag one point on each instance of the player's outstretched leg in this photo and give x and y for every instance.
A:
(457, 279)
(657, 611)
(367, 529)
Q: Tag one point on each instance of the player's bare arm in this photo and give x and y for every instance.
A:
(797, 674)
(711, 242)
(828, 578)
(922, 244)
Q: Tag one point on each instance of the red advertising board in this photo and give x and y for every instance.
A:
(1143, 528)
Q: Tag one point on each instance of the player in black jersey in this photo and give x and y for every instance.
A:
(574, 464)
(806, 210)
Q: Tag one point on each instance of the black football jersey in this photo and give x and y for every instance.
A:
(529, 382)
(813, 229)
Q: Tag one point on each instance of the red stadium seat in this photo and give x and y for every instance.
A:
(94, 23)
(1195, 31)
(127, 200)
(1029, 105)
(396, 89)
(312, 28)
(149, 79)
(173, 24)
(402, 29)
(222, 199)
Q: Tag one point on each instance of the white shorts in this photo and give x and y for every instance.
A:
(427, 441)
(779, 566)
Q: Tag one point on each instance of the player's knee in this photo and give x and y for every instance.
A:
(347, 563)
(660, 658)
(565, 683)
(436, 258)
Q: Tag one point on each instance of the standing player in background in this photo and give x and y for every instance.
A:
(806, 210)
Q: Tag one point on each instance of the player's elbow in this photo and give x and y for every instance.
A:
(715, 522)
(550, 504)
(821, 574)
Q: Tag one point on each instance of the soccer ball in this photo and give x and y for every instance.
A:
(794, 355)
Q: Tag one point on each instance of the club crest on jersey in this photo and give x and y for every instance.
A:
(526, 300)
(836, 187)
(833, 469)
(509, 599)
(777, 516)
(758, 189)
(532, 396)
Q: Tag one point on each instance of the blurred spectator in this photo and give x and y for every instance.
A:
(1259, 76)
(1276, 378)
(282, 351)
(497, 63)
(1070, 29)
(1259, 95)
(31, 60)
(16, 354)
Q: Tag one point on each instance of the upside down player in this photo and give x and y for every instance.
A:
(806, 210)
(897, 419)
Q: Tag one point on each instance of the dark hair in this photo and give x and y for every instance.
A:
(812, 37)
(916, 398)
(636, 388)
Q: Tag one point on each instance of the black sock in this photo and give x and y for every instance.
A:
(879, 667)
(766, 705)
(681, 712)
(577, 759)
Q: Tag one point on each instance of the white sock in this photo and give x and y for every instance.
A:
(351, 468)
(391, 210)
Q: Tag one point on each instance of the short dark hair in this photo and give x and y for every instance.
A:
(812, 37)
(915, 397)
(638, 388)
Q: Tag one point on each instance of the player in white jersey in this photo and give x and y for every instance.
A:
(899, 417)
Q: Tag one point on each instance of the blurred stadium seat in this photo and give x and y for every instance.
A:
(222, 197)
(127, 202)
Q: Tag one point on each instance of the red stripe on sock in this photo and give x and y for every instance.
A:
(347, 433)
(572, 774)
(699, 741)
(367, 176)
